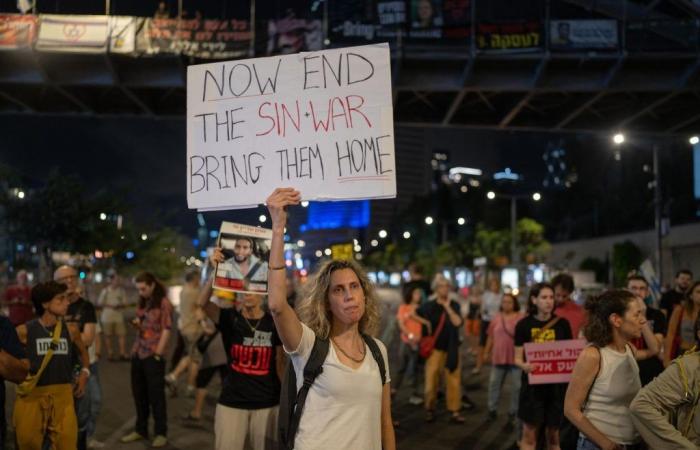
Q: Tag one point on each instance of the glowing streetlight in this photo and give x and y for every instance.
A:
(461, 221)
(463, 189)
(374, 243)
(103, 216)
(406, 235)
(144, 236)
(490, 195)
(694, 140)
(301, 243)
(357, 248)
(327, 252)
(619, 138)
(20, 195)
(428, 220)
(318, 253)
(537, 196)
(383, 234)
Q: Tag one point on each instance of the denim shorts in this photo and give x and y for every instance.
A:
(586, 444)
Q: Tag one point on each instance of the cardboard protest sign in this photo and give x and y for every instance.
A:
(247, 251)
(321, 122)
(553, 361)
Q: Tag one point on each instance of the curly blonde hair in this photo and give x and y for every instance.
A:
(314, 308)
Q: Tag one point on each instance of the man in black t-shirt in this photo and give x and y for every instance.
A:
(82, 313)
(247, 407)
(676, 295)
(651, 367)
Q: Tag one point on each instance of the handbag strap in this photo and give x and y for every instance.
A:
(441, 324)
(546, 327)
(505, 328)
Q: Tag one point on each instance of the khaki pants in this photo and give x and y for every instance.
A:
(434, 367)
(234, 428)
(47, 410)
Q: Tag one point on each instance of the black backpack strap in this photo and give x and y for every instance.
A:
(377, 354)
(295, 408)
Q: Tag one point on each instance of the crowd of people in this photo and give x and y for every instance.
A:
(306, 371)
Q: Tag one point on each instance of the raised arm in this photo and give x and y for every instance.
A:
(286, 321)
(204, 296)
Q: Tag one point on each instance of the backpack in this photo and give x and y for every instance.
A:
(292, 402)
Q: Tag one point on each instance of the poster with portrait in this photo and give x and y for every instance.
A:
(246, 251)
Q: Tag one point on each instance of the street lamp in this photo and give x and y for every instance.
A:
(428, 220)
(406, 234)
(20, 195)
(144, 236)
(536, 196)
(461, 221)
(382, 234)
(103, 216)
(490, 195)
(694, 140)
(374, 243)
(619, 138)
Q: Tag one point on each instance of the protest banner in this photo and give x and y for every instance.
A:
(509, 37)
(17, 31)
(247, 251)
(553, 361)
(82, 34)
(321, 122)
(207, 39)
(583, 34)
(122, 34)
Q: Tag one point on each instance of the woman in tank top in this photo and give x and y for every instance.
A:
(48, 410)
(606, 376)
(681, 337)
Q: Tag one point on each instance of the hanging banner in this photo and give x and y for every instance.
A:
(17, 31)
(351, 23)
(122, 34)
(513, 37)
(439, 19)
(583, 34)
(321, 122)
(293, 35)
(207, 39)
(84, 34)
(553, 361)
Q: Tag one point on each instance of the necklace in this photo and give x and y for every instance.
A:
(252, 328)
(364, 352)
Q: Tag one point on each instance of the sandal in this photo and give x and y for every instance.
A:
(430, 416)
(457, 418)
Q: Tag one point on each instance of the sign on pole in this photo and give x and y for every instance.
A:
(321, 122)
(553, 361)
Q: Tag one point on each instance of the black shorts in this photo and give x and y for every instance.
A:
(204, 376)
(541, 404)
(483, 332)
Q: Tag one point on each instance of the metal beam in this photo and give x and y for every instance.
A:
(683, 124)
(50, 83)
(16, 101)
(515, 110)
(454, 107)
(650, 107)
(575, 113)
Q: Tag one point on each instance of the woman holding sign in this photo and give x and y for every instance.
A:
(606, 376)
(342, 398)
(540, 404)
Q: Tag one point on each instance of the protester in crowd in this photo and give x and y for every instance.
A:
(605, 378)
(247, 408)
(680, 337)
(211, 346)
(13, 366)
(673, 297)
(490, 304)
(501, 345)
(664, 412)
(18, 300)
(472, 322)
(443, 321)
(191, 331)
(113, 300)
(81, 313)
(416, 277)
(408, 348)
(651, 366)
(565, 306)
(540, 405)
(347, 407)
(153, 322)
(44, 407)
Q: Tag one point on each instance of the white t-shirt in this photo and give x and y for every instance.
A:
(343, 408)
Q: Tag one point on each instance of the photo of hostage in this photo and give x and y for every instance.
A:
(245, 266)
